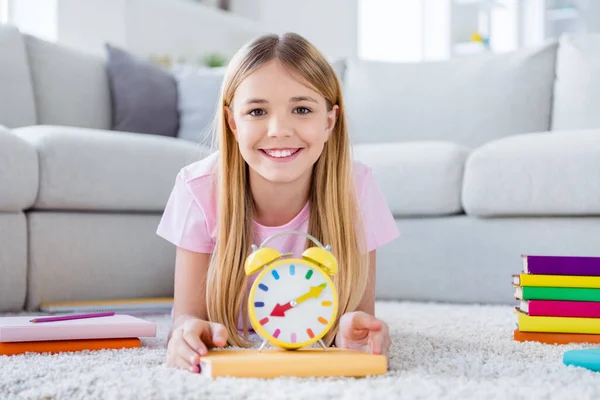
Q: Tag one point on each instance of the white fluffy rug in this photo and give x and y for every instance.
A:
(438, 352)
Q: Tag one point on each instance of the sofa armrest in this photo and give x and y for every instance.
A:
(18, 172)
(101, 170)
(535, 174)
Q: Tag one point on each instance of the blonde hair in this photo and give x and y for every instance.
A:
(335, 217)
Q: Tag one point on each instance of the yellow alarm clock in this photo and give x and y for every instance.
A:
(293, 302)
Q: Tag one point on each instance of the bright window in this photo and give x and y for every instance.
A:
(4, 11)
(419, 30)
(390, 30)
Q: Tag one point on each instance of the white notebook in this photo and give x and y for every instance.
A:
(20, 329)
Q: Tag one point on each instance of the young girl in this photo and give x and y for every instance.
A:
(283, 163)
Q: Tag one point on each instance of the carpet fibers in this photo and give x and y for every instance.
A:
(439, 351)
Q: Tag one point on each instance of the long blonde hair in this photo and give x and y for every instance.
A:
(335, 217)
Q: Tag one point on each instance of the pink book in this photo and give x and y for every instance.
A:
(20, 329)
(555, 308)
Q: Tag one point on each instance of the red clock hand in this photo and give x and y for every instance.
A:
(279, 310)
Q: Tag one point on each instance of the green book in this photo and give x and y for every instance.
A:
(557, 293)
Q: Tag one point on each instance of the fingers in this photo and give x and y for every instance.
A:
(380, 341)
(185, 364)
(377, 331)
(361, 331)
(180, 354)
(218, 334)
(192, 340)
(363, 321)
(202, 335)
(195, 344)
(192, 332)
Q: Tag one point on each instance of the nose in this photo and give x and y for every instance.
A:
(280, 126)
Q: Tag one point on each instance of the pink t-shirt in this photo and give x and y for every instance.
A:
(189, 220)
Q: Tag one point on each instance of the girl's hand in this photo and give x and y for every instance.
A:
(361, 331)
(192, 340)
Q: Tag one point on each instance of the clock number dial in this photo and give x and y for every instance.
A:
(294, 303)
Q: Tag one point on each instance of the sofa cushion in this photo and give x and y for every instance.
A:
(420, 178)
(17, 105)
(339, 66)
(18, 172)
(13, 260)
(88, 169)
(577, 88)
(198, 92)
(469, 101)
(555, 173)
(144, 96)
(78, 256)
(71, 88)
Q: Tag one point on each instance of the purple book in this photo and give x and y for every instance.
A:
(561, 265)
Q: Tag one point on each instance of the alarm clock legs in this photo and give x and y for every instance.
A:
(322, 344)
(262, 345)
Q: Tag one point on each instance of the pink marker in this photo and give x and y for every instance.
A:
(69, 317)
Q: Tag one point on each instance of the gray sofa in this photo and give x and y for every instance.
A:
(476, 157)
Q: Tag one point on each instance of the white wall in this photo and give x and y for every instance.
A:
(34, 17)
(184, 29)
(331, 25)
(179, 29)
(87, 25)
(592, 16)
(246, 8)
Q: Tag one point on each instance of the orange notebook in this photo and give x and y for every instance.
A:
(555, 338)
(59, 346)
(273, 363)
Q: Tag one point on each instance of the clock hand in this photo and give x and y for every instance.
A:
(314, 292)
(279, 310)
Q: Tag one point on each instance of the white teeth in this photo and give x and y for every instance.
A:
(280, 153)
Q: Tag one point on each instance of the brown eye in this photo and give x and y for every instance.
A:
(257, 112)
(302, 110)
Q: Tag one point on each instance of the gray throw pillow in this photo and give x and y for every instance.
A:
(144, 96)
(339, 66)
(198, 90)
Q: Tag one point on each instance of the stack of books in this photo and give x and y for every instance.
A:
(135, 306)
(43, 334)
(559, 300)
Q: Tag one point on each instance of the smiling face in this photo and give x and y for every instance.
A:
(280, 123)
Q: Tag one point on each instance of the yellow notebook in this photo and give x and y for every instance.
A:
(557, 281)
(117, 305)
(528, 323)
(273, 363)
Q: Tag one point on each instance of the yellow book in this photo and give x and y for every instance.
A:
(528, 323)
(273, 363)
(557, 281)
(123, 305)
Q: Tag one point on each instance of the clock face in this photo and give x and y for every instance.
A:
(293, 303)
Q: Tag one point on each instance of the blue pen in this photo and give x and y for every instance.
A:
(586, 358)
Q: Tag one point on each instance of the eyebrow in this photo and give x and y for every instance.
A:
(251, 101)
(302, 98)
(294, 99)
